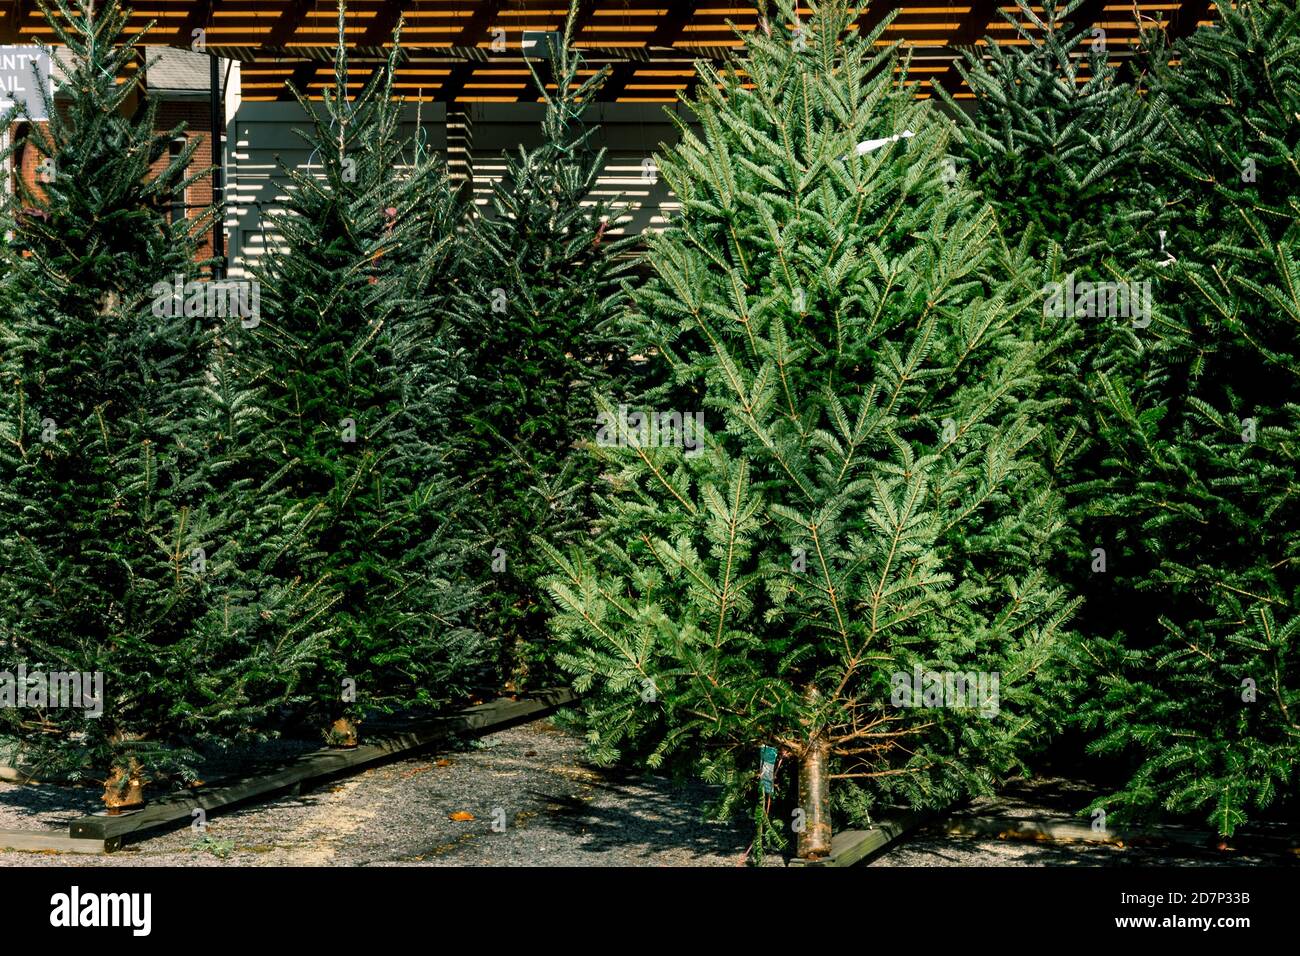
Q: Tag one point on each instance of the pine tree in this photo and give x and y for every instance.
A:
(356, 378)
(124, 551)
(1060, 142)
(1066, 146)
(538, 315)
(1200, 686)
(865, 520)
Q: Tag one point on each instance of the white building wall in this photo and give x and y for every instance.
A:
(261, 143)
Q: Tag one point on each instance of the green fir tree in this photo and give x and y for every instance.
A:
(1199, 689)
(538, 313)
(356, 377)
(1060, 142)
(859, 549)
(125, 549)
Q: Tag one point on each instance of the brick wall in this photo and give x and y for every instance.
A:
(196, 116)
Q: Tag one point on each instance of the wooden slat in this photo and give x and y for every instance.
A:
(380, 30)
(1186, 17)
(850, 847)
(320, 765)
(38, 841)
(290, 20)
(973, 26)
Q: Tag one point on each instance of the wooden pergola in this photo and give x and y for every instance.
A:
(453, 49)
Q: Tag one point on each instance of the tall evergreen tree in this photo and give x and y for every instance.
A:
(859, 549)
(124, 549)
(1062, 144)
(356, 378)
(1200, 688)
(538, 313)
(1066, 147)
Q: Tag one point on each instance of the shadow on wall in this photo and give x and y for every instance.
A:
(261, 138)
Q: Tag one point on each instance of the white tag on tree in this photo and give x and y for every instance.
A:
(871, 145)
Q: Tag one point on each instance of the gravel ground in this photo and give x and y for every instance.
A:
(933, 848)
(556, 811)
(1048, 800)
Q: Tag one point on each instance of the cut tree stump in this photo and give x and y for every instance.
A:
(320, 765)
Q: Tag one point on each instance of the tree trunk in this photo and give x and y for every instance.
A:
(815, 801)
(343, 733)
(124, 788)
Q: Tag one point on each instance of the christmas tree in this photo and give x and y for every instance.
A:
(355, 380)
(1060, 143)
(130, 596)
(838, 559)
(538, 315)
(1066, 148)
(1199, 687)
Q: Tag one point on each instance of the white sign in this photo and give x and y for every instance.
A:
(23, 70)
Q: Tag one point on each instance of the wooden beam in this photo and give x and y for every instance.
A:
(454, 85)
(447, 57)
(304, 74)
(972, 27)
(876, 11)
(1186, 17)
(669, 30)
(851, 847)
(15, 13)
(200, 16)
(1086, 14)
(321, 765)
(380, 31)
(586, 12)
(39, 841)
(477, 26)
(290, 20)
(976, 23)
(617, 82)
(1037, 829)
